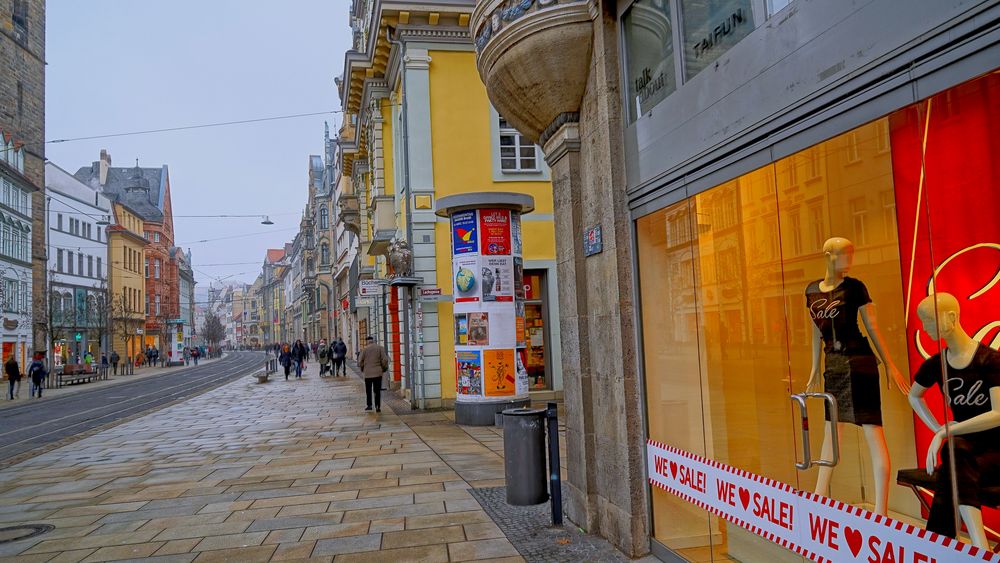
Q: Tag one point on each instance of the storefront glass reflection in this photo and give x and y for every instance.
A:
(817, 264)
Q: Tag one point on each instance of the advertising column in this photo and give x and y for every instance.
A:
(488, 289)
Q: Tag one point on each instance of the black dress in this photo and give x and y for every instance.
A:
(851, 369)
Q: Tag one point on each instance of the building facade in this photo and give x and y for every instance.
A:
(16, 235)
(22, 128)
(126, 282)
(731, 152)
(79, 305)
(418, 126)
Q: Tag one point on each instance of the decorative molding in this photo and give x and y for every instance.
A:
(417, 62)
(565, 140)
(559, 121)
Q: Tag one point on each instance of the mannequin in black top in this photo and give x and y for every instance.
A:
(973, 373)
(851, 375)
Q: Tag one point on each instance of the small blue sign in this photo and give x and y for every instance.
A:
(592, 242)
(464, 235)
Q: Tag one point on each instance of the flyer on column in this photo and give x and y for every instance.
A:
(494, 226)
(499, 378)
(469, 372)
(497, 278)
(479, 329)
(521, 357)
(466, 282)
(464, 237)
(515, 232)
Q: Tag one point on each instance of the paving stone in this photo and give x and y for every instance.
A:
(176, 547)
(230, 541)
(337, 531)
(421, 554)
(296, 522)
(480, 549)
(349, 544)
(259, 553)
(427, 536)
(483, 531)
(290, 535)
(182, 532)
(293, 551)
(133, 551)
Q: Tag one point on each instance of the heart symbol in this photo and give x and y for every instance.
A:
(673, 469)
(744, 497)
(853, 539)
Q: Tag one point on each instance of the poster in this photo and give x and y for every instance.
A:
(518, 278)
(494, 227)
(479, 329)
(521, 357)
(499, 378)
(461, 330)
(497, 278)
(464, 238)
(466, 284)
(515, 233)
(519, 329)
(469, 373)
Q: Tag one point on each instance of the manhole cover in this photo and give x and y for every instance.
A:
(14, 533)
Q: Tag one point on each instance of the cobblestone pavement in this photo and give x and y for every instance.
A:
(275, 472)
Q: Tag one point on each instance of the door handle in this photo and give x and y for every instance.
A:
(831, 401)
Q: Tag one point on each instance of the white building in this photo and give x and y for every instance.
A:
(78, 276)
(15, 253)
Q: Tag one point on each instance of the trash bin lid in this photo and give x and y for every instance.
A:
(523, 411)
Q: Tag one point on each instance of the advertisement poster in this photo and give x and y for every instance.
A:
(461, 330)
(469, 373)
(466, 284)
(519, 330)
(521, 357)
(479, 329)
(518, 277)
(497, 278)
(515, 233)
(499, 377)
(464, 238)
(494, 226)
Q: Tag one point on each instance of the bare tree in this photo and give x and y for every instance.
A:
(100, 313)
(213, 332)
(123, 323)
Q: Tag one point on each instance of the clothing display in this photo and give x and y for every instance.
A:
(968, 388)
(851, 369)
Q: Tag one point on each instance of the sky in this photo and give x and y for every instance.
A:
(118, 66)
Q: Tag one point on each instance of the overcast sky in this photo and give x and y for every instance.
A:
(124, 65)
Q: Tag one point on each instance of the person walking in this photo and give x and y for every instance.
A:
(13, 372)
(104, 365)
(285, 359)
(37, 373)
(339, 357)
(195, 354)
(115, 358)
(323, 354)
(373, 362)
(299, 355)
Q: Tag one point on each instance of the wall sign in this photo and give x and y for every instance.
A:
(815, 527)
(593, 242)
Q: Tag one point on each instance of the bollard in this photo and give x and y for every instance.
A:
(555, 479)
(524, 456)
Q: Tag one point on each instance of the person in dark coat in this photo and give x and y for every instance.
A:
(373, 362)
(339, 357)
(299, 355)
(115, 358)
(37, 373)
(13, 372)
(285, 359)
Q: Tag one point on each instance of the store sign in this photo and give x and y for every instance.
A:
(817, 528)
(369, 288)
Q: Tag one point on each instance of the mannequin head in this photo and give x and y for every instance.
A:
(939, 313)
(839, 254)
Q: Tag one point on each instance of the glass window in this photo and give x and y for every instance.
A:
(146, 266)
(156, 237)
(712, 27)
(59, 225)
(649, 55)
(156, 265)
(99, 272)
(59, 260)
(69, 262)
(774, 6)
(90, 266)
(517, 153)
(324, 218)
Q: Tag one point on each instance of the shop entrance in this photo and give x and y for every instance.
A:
(536, 326)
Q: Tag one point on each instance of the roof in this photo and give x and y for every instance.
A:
(275, 254)
(148, 205)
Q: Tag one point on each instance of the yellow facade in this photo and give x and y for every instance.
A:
(126, 281)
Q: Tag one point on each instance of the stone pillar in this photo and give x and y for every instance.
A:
(488, 290)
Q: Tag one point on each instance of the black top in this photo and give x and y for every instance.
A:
(969, 387)
(836, 314)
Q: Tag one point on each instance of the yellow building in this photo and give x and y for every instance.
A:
(126, 281)
(412, 75)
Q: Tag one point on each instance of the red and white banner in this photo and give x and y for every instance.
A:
(816, 527)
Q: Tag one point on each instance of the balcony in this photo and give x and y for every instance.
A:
(535, 60)
(383, 217)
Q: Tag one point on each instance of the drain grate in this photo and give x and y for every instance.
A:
(15, 533)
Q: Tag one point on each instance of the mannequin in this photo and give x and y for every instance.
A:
(835, 303)
(973, 373)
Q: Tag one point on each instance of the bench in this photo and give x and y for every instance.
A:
(75, 373)
(922, 485)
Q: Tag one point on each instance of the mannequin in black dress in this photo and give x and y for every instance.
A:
(851, 365)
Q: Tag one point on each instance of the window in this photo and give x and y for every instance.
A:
(59, 260)
(146, 262)
(156, 237)
(88, 229)
(157, 305)
(145, 234)
(853, 149)
(19, 20)
(324, 218)
(59, 222)
(20, 98)
(517, 153)
(889, 215)
(9, 289)
(712, 27)
(90, 266)
(147, 304)
(156, 273)
(69, 261)
(79, 260)
(859, 209)
(324, 253)
(649, 55)
(99, 273)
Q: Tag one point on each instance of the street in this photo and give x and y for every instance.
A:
(33, 425)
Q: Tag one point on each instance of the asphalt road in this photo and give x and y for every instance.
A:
(34, 425)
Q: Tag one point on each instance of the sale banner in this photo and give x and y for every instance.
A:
(494, 227)
(464, 239)
(499, 375)
(817, 528)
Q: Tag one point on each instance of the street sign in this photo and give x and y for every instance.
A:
(364, 302)
(432, 294)
(369, 288)
(429, 291)
(78, 337)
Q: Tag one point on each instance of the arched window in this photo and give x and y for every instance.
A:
(56, 300)
(324, 253)
(69, 310)
(324, 218)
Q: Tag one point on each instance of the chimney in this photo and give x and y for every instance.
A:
(105, 163)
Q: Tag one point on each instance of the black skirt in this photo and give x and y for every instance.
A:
(853, 380)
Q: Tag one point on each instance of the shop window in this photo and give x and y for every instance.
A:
(650, 74)
(712, 27)
(536, 330)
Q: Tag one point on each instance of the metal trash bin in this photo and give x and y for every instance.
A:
(524, 456)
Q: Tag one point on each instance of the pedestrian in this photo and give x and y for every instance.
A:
(115, 358)
(88, 360)
(323, 354)
(195, 354)
(340, 357)
(104, 364)
(299, 355)
(373, 362)
(37, 373)
(13, 372)
(285, 359)
(148, 355)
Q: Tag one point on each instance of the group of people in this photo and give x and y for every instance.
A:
(331, 357)
(36, 375)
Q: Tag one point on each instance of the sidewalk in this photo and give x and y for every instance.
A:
(112, 380)
(288, 470)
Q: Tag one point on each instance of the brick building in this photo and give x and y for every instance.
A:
(22, 120)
